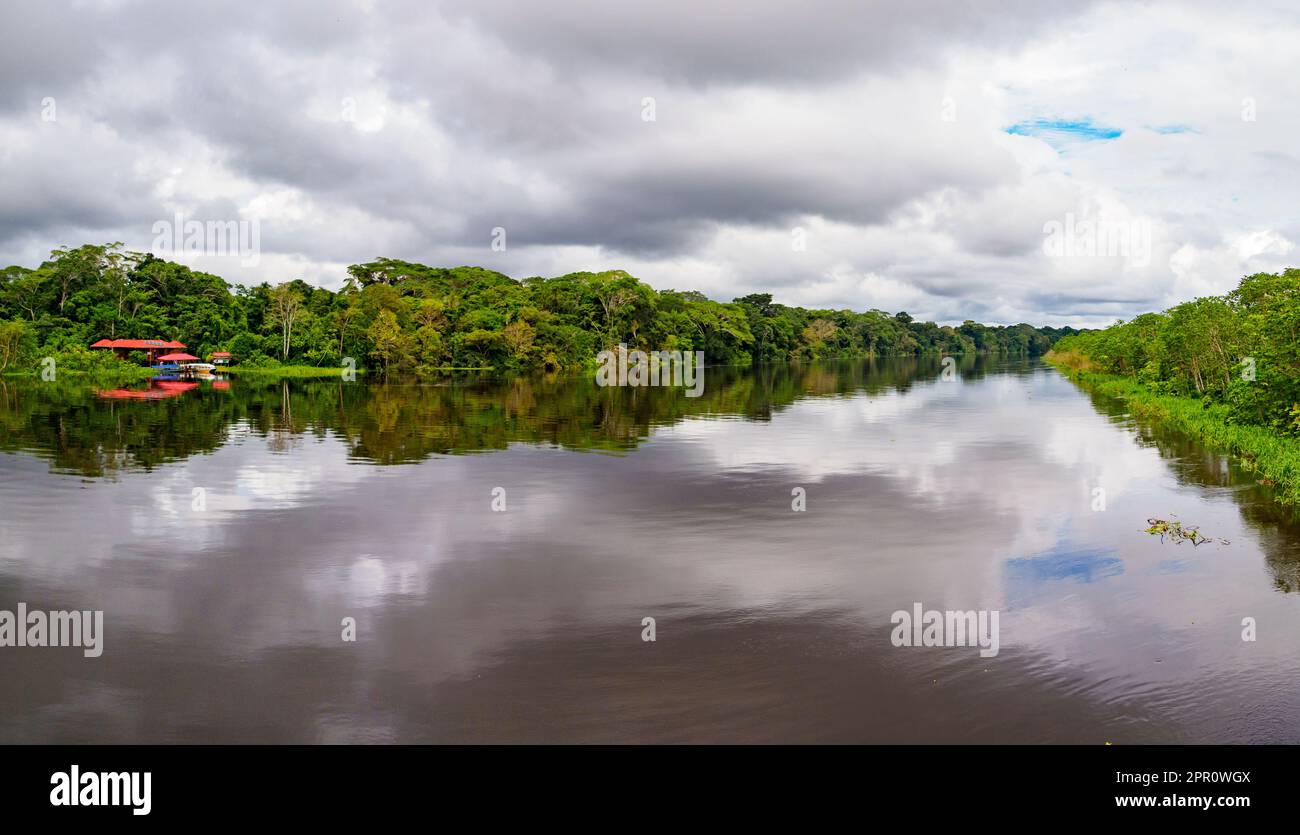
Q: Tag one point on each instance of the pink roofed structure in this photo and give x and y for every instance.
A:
(151, 347)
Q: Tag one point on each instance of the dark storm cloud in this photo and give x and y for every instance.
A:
(741, 41)
(239, 78)
(667, 204)
(41, 55)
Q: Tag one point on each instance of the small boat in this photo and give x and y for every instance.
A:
(185, 370)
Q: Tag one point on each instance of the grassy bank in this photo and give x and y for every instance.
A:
(298, 372)
(99, 376)
(1274, 457)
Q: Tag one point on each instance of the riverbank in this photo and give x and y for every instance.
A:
(114, 376)
(297, 372)
(1275, 458)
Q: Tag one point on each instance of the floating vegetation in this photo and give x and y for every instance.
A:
(1175, 530)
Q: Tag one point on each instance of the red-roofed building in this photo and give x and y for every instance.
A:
(151, 347)
(220, 358)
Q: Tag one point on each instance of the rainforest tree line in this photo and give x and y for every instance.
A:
(1241, 349)
(402, 317)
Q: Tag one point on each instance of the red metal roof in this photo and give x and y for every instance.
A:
(178, 358)
(139, 343)
(146, 344)
(220, 353)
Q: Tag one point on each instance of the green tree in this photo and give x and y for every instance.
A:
(390, 343)
(286, 307)
(16, 343)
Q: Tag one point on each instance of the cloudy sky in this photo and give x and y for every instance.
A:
(837, 154)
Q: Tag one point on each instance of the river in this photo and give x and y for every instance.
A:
(499, 544)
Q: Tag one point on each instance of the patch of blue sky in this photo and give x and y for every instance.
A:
(1064, 133)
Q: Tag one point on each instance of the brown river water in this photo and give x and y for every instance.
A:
(499, 543)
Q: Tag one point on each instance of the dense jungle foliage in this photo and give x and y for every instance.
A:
(395, 316)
